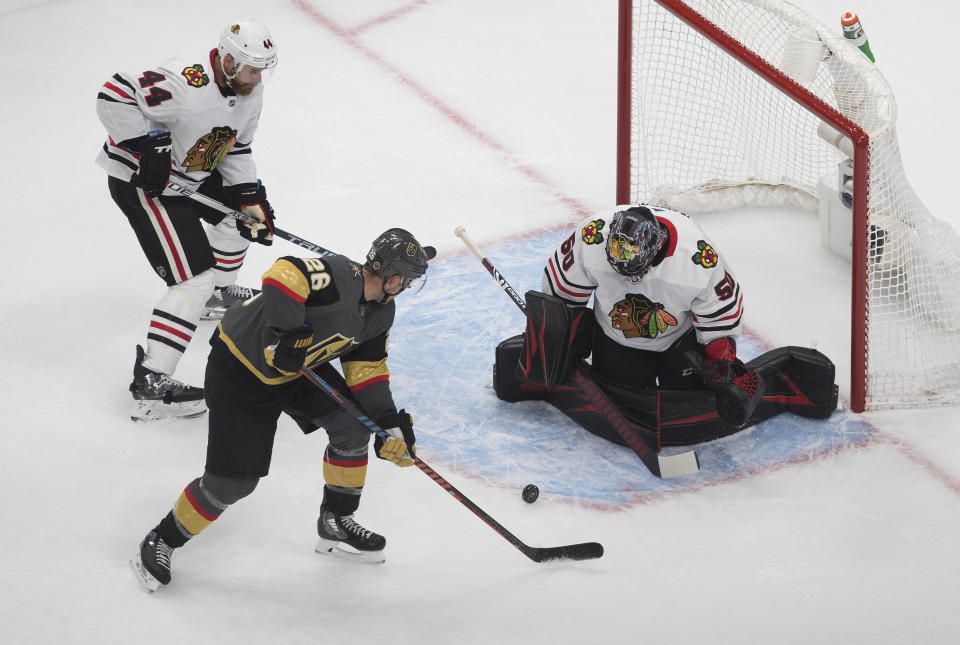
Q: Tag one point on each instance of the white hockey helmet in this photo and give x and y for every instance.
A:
(250, 43)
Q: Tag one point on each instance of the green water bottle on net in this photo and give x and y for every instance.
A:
(853, 31)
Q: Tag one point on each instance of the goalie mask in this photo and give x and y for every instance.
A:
(397, 252)
(250, 44)
(635, 239)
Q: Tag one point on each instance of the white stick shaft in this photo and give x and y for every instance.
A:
(461, 232)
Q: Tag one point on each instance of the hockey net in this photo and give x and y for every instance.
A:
(720, 105)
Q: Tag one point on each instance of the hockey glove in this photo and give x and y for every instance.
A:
(738, 389)
(399, 447)
(251, 200)
(288, 354)
(154, 170)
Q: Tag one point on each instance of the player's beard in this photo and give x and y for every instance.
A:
(241, 88)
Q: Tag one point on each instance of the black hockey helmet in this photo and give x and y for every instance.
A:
(634, 241)
(397, 252)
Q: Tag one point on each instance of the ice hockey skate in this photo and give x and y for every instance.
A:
(342, 537)
(152, 565)
(158, 396)
(223, 298)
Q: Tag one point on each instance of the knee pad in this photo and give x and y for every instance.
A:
(227, 490)
(196, 290)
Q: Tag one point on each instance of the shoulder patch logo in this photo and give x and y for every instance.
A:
(195, 75)
(637, 317)
(705, 256)
(591, 233)
(210, 149)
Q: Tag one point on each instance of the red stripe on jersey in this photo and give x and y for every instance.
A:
(345, 464)
(369, 382)
(730, 317)
(205, 515)
(171, 330)
(168, 237)
(556, 282)
(111, 86)
(673, 235)
(287, 291)
(222, 260)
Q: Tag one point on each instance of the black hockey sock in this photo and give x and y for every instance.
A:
(169, 533)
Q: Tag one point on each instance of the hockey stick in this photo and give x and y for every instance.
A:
(685, 463)
(186, 191)
(583, 551)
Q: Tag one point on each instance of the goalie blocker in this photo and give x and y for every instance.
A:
(796, 379)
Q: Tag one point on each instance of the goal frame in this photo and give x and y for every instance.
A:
(859, 309)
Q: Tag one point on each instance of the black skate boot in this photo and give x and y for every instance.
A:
(225, 297)
(341, 536)
(156, 395)
(152, 565)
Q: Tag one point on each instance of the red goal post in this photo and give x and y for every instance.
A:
(724, 103)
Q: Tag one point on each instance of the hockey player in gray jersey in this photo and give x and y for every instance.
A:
(309, 312)
(192, 120)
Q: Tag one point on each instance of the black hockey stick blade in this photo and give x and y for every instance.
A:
(583, 551)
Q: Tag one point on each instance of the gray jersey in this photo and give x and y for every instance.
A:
(327, 294)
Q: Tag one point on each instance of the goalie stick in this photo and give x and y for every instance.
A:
(186, 191)
(678, 465)
(583, 551)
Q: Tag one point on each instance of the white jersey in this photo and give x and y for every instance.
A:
(690, 287)
(209, 130)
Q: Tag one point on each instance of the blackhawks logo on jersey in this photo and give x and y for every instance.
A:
(195, 75)
(209, 149)
(705, 256)
(637, 317)
(591, 233)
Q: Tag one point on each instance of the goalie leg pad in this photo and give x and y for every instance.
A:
(595, 410)
(506, 382)
(798, 380)
(556, 337)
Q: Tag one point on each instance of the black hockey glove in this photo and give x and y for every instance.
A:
(251, 200)
(154, 170)
(290, 351)
(738, 389)
(399, 448)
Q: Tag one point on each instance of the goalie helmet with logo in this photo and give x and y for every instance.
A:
(250, 44)
(635, 239)
(397, 252)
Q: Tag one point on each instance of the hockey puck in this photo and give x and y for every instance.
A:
(530, 493)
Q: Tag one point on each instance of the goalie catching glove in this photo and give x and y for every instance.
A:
(288, 354)
(738, 389)
(399, 446)
(251, 200)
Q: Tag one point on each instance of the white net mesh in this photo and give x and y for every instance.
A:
(710, 134)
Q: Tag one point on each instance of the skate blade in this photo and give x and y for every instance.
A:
(347, 552)
(212, 314)
(147, 582)
(151, 410)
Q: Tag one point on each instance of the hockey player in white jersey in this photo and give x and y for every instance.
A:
(192, 120)
(667, 309)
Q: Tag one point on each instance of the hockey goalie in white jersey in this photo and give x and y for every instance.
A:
(667, 309)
